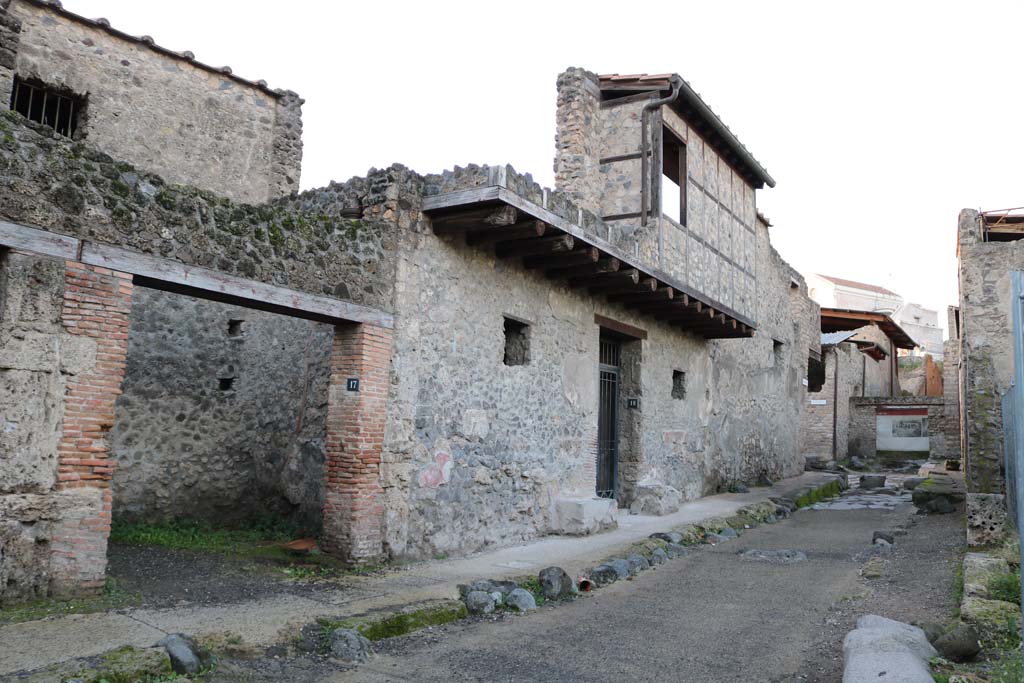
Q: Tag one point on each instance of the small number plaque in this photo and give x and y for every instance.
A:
(352, 384)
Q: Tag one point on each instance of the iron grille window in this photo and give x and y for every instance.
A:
(44, 105)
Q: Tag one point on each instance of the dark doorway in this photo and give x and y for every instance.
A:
(608, 417)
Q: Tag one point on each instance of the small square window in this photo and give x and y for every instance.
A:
(678, 384)
(517, 342)
(235, 328)
(46, 105)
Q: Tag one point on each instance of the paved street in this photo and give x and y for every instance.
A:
(705, 618)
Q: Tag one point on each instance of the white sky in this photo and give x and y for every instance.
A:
(878, 120)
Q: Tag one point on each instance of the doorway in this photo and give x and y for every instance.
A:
(608, 417)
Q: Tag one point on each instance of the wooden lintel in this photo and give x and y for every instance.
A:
(620, 328)
(610, 265)
(522, 230)
(534, 247)
(488, 216)
(36, 241)
(161, 273)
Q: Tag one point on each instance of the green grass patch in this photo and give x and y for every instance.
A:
(1005, 587)
(197, 535)
(111, 597)
(1008, 669)
(413, 618)
(829, 490)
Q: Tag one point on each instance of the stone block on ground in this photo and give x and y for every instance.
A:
(583, 516)
(910, 483)
(658, 556)
(674, 550)
(872, 481)
(884, 536)
(884, 649)
(479, 602)
(556, 584)
(938, 494)
(978, 569)
(621, 568)
(187, 658)
(349, 646)
(603, 574)
(986, 519)
(655, 499)
(521, 599)
(959, 644)
(668, 536)
(990, 616)
(637, 563)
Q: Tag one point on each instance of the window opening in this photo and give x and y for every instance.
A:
(673, 176)
(517, 342)
(678, 384)
(47, 106)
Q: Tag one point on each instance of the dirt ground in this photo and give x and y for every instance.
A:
(709, 617)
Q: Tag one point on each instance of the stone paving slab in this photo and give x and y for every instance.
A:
(37, 644)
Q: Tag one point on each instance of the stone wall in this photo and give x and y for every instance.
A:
(716, 251)
(986, 351)
(63, 336)
(477, 451)
(223, 415)
(301, 242)
(164, 113)
(864, 430)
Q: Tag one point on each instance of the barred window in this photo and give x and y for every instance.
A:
(43, 104)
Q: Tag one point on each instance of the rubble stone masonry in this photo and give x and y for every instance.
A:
(155, 109)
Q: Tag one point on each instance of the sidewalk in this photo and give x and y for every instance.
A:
(35, 644)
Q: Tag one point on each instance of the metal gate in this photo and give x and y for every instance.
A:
(608, 418)
(1013, 414)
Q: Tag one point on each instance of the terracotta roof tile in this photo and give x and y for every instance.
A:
(853, 284)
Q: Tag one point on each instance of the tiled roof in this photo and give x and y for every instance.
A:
(853, 284)
(698, 108)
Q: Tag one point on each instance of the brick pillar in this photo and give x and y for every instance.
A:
(353, 496)
(96, 304)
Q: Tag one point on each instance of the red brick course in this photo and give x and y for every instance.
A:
(97, 302)
(353, 496)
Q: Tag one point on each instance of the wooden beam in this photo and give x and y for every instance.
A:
(521, 230)
(478, 218)
(533, 247)
(161, 273)
(658, 296)
(610, 265)
(645, 285)
(36, 241)
(630, 276)
(585, 255)
(621, 328)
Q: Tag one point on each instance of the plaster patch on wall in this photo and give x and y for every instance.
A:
(475, 424)
(437, 473)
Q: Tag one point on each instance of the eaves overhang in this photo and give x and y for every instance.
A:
(837, 319)
(696, 112)
(495, 216)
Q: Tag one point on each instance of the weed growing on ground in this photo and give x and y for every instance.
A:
(532, 584)
(196, 535)
(303, 572)
(1010, 669)
(1005, 587)
(112, 597)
